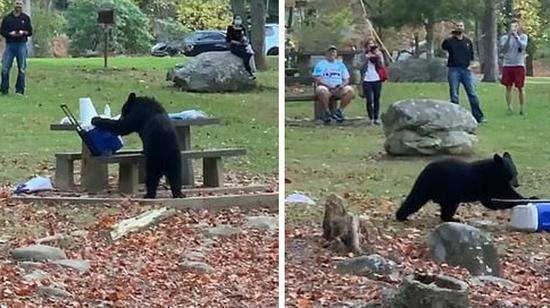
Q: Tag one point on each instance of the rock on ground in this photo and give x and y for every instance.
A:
(221, 230)
(262, 222)
(195, 266)
(52, 292)
(426, 291)
(218, 71)
(428, 127)
(78, 265)
(370, 266)
(418, 70)
(466, 246)
(38, 253)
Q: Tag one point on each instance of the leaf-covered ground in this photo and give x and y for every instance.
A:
(141, 269)
(311, 279)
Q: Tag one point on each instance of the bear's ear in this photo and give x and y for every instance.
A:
(497, 159)
(132, 97)
(507, 155)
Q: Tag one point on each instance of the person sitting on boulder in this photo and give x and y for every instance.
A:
(333, 80)
(239, 45)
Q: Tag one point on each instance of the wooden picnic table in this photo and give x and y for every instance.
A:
(94, 173)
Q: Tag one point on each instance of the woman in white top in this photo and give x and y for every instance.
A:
(372, 84)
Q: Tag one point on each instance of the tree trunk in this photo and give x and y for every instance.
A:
(237, 6)
(30, 45)
(529, 67)
(341, 229)
(489, 28)
(416, 45)
(257, 33)
(479, 44)
(429, 26)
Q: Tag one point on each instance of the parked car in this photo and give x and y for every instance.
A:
(163, 49)
(211, 40)
(272, 39)
(203, 41)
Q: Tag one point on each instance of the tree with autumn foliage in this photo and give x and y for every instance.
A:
(204, 14)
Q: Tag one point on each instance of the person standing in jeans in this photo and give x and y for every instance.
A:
(371, 81)
(16, 28)
(461, 52)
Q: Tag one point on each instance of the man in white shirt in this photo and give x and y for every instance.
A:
(332, 79)
(513, 45)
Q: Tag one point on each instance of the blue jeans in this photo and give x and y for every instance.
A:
(457, 75)
(19, 52)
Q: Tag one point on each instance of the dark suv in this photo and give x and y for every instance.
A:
(193, 44)
(203, 41)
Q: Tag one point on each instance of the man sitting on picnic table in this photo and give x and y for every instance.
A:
(332, 79)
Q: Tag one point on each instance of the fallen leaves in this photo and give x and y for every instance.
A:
(142, 268)
(312, 280)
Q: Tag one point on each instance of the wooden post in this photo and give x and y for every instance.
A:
(106, 30)
(64, 173)
(94, 175)
(128, 178)
(184, 141)
(213, 171)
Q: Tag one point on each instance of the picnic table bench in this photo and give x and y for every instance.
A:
(94, 169)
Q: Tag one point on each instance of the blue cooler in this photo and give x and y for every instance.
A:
(99, 142)
(531, 217)
(543, 213)
(102, 142)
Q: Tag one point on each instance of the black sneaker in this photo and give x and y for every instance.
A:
(326, 118)
(338, 116)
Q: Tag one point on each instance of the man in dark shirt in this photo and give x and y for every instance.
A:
(16, 27)
(461, 52)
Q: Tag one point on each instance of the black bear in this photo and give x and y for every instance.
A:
(150, 120)
(449, 182)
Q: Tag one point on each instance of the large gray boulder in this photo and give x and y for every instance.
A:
(218, 71)
(428, 127)
(418, 70)
(466, 246)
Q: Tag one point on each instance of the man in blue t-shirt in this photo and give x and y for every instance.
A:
(332, 80)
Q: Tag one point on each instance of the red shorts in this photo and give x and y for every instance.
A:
(513, 75)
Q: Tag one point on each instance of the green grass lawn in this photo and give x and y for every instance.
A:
(321, 160)
(249, 120)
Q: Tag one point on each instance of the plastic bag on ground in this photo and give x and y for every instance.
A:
(299, 198)
(36, 184)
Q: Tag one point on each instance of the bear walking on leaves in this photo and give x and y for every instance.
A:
(449, 182)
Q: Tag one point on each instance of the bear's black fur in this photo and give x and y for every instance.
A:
(150, 120)
(449, 182)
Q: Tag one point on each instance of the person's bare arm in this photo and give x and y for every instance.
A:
(319, 81)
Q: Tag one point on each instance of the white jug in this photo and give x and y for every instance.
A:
(87, 111)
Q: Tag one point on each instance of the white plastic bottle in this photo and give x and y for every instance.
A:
(107, 111)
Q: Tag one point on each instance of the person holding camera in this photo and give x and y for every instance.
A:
(371, 80)
(332, 79)
(513, 47)
(461, 52)
(16, 28)
(239, 45)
